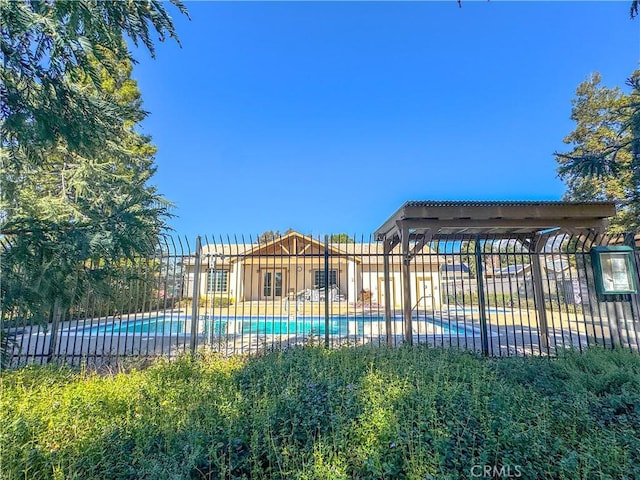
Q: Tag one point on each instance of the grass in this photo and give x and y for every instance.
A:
(365, 413)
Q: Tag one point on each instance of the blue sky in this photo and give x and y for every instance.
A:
(327, 116)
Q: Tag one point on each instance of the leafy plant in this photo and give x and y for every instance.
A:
(310, 412)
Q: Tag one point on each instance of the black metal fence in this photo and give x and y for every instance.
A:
(241, 295)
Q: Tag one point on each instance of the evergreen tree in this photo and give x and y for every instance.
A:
(71, 217)
(75, 193)
(604, 163)
(341, 238)
(47, 51)
(270, 235)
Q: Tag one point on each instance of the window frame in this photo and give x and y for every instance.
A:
(214, 280)
(321, 273)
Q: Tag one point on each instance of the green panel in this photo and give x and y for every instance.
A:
(613, 270)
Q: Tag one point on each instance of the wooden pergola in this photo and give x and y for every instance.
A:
(417, 223)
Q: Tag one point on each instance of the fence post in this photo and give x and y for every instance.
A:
(195, 301)
(55, 324)
(387, 290)
(326, 291)
(630, 241)
(484, 337)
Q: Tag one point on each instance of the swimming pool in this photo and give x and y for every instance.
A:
(181, 325)
(341, 325)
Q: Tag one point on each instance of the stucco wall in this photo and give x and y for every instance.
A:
(246, 281)
(425, 286)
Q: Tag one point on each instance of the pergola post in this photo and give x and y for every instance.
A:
(538, 291)
(387, 247)
(406, 285)
(482, 308)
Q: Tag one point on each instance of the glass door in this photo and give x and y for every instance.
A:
(272, 282)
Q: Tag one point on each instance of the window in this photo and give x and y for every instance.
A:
(318, 279)
(217, 281)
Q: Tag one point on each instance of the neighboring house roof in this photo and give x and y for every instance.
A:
(620, 240)
(557, 264)
(455, 268)
(511, 270)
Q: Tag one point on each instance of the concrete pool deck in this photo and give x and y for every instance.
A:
(511, 332)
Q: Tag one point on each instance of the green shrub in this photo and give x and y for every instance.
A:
(214, 301)
(208, 301)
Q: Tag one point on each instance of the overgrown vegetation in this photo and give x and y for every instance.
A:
(313, 413)
(76, 193)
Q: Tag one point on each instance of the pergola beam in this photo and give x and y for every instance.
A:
(500, 224)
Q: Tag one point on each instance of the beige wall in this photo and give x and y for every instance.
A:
(246, 281)
(297, 276)
(425, 286)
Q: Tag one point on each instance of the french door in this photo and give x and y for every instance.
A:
(272, 284)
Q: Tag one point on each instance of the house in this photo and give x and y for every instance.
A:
(517, 271)
(558, 266)
(293, 266)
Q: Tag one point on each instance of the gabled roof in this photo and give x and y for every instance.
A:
(296, 244)
(293, 243)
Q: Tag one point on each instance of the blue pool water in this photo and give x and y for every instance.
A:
(292, 326)
(447, 327)
(138, 326)
(181, 325)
